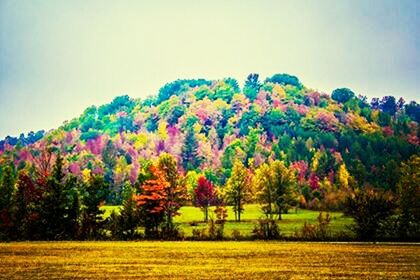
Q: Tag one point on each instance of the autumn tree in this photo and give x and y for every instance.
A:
(285, 184)
(343, 176)
(266, 193)
(205, 195)
(151, 200)
(175, 190)
(408, 189)
(27, 224)
(238, 188)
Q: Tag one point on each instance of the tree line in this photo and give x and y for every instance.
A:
(51, 203)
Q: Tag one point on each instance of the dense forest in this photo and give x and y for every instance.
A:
(200, 142)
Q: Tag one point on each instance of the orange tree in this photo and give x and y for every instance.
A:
(151, 200)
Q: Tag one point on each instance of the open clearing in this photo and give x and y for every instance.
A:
(207, 260)
(192, 218)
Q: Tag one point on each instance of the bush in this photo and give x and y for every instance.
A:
(319, 231)
(266, 229)
(236, 234)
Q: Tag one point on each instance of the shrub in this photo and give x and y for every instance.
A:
(266, 229)
(318, 231)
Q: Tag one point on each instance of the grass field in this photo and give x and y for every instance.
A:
(192, 217)
(207, 260)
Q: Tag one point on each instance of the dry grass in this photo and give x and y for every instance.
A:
(207, 260)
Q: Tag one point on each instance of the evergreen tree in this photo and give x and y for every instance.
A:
(53, 207)
(7, 188)
(95, 192)
(252, 86)
(189, 153)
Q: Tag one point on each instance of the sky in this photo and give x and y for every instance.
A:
(59, 57)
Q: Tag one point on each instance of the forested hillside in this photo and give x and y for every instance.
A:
(330, 141)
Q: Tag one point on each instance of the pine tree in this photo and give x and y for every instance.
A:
(53, 207)
(189, 153)
(95, 192)
(7, 188)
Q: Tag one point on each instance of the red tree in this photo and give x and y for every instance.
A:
(204, 195)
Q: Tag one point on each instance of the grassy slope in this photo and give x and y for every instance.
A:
(290, 222)
(207, 260)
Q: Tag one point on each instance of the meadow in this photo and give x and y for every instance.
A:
(207, 260)
(191, 217)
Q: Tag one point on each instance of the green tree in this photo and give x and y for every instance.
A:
(53, 207)
(252, 86)
(369, 208)
(94, 194)
(189, 153)
(408, 189)
(7, 189)
(342, 95)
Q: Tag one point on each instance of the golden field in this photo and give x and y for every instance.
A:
(207, 260)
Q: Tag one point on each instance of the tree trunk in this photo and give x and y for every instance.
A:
(239, 211)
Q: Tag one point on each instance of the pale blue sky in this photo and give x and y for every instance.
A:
(59, 57)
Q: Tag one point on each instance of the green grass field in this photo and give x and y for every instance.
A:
(192, 217)
(207, 260)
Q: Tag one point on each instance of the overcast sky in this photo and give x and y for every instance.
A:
(59, 57)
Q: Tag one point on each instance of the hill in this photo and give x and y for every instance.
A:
(331, 141)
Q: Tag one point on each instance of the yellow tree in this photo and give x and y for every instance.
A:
(343, 176)
(238, 188)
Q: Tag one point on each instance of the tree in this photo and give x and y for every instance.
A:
(408, 189)
(265, 190)
(388, 105)
(284, 183)
(175, 190)
(27, 225)
(342, 95)
(369, 208)
(343, 176)
(54, 203)
(189, 153)
(151, 200)
(126, 223)
(7, 189)
(238, 188)
(73, 208)
(285, 79)
(205, 195)
(95, 193)
(252, 86)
